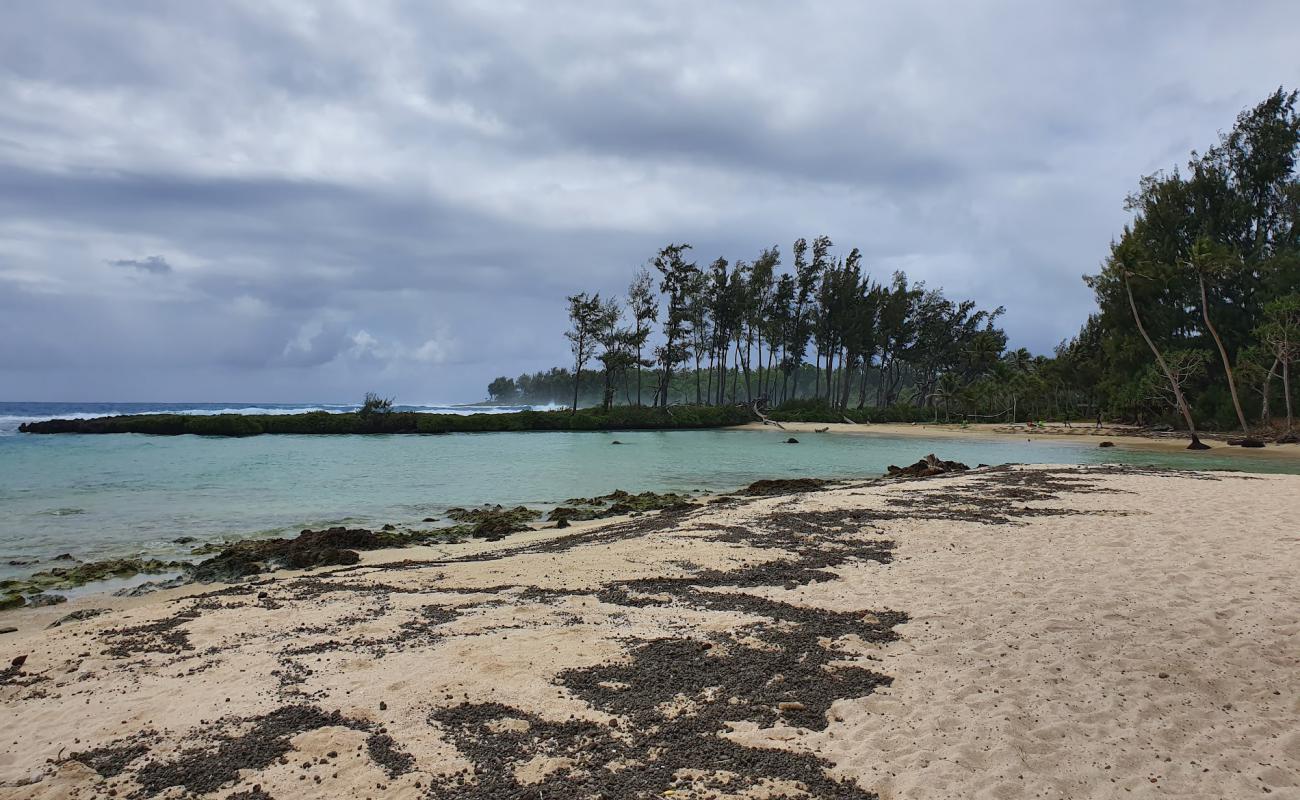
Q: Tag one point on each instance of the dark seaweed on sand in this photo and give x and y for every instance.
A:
(662, 712)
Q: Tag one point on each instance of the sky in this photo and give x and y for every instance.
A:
(304, 201)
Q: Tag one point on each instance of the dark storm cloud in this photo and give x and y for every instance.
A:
(156, 265)
(392, 196)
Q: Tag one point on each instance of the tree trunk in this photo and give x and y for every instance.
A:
(735, 372)
(1160, 360)
(1286, 391)
(748, 362)
(638, 374)
(1227, 367)
(1265, 418)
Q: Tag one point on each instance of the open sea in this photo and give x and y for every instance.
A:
(121, 495)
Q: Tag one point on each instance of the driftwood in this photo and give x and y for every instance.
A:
(925, 468)
(754, 407)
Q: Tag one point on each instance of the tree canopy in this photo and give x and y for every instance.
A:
(1202, 286)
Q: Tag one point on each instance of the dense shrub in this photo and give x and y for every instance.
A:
(320, 422)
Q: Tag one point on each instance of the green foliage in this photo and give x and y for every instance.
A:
(374, 405)
(503, 390)
(1229, 227)
(404, 422)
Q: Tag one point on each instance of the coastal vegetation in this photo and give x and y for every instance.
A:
(401, 422)
(1197, 324)
(1197, 320)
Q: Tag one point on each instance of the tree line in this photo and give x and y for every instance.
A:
(1198, 318)
(1199, 297)
(753, 333)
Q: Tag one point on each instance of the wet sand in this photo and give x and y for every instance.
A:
(1008, 632)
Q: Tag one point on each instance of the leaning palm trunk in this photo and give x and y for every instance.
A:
(1178, 391)
(1227, 367)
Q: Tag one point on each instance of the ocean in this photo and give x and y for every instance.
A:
(123, 495)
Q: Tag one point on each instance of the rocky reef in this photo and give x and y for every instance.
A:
(13, 590)
(325, 548)
(492, 522)
(784, 486)
(616, 504)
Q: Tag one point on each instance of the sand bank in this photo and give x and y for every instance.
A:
(1060, 632)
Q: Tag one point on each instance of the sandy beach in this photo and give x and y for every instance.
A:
(1006, 632)
(1124, 436)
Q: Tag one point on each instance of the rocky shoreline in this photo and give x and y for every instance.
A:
(341, 546)
(309, 549)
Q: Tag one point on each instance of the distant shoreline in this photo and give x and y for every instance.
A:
(619, 418)
(400, 422)
(1124, 436)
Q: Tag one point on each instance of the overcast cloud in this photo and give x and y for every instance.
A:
(282, 201)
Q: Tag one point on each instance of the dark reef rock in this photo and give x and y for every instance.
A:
(81, 574)
(1106, 444)
(616, 504)
(39, 600)
(926, 468)
(784, 486)
(792, 440)
(149, 587)
(1245, 441)
(327, 548)
(493, 522)
(78, 615)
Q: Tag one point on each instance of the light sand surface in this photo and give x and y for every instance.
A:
(1126, 436)
(1010, 632)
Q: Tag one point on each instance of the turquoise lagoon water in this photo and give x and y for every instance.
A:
(116, 495)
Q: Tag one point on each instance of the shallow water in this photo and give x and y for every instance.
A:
(109, 496)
